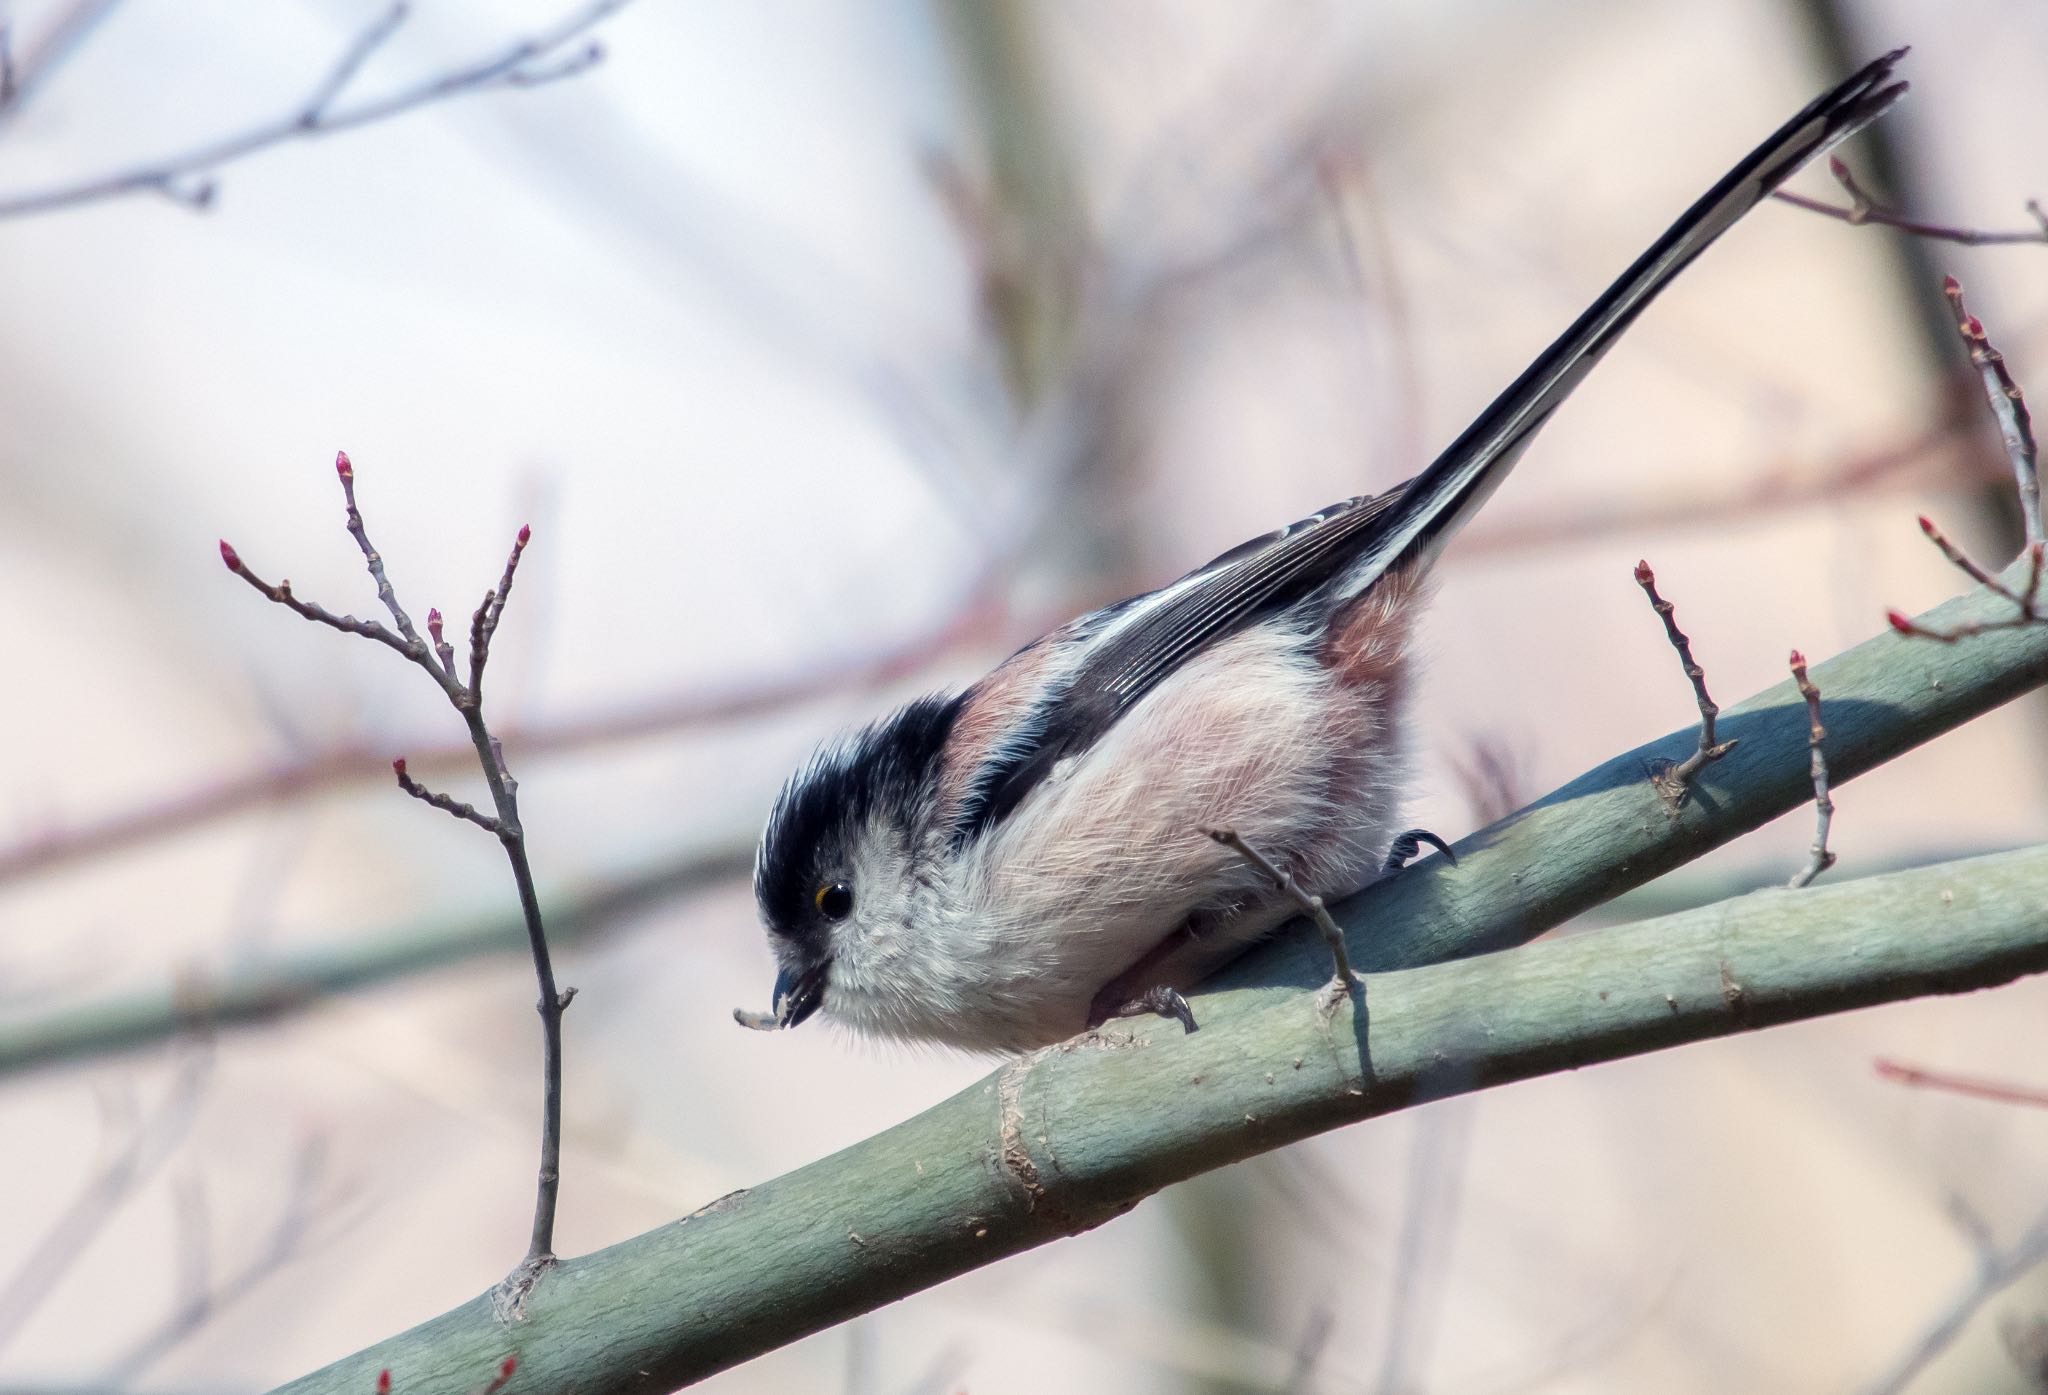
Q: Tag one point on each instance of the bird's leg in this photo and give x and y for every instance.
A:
(1344, 979)
(1410, 843)
(1159, 1000)
(1138, 991)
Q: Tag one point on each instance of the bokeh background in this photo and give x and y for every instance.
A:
(831, 350)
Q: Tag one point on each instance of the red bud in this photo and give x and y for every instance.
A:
(1974, 327)
(384, 1382)
(1837, 168)
(1951, 286)
(1927, 525)
(525, 534)
(1899, 621)
(342, 466)
(511, 1364)
(230, 556)
(1798, 660)
(1644, 576)
(398, 767)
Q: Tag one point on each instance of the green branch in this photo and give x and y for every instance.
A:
(1072, 1136)
(266, 988)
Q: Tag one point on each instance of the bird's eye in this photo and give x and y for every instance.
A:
(835, 900)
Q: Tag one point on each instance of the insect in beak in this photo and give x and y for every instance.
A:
(797, 996)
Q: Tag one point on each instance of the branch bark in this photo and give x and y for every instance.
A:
(1067, 1138)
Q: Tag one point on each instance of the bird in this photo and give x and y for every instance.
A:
(1063, 842)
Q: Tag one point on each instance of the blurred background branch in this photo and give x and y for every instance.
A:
(190, 176)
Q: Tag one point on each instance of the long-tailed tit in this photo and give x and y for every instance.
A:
(1000, 867)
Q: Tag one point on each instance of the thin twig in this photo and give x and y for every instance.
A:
(1864, 209)
(319, 615)
(1973, 1086)
(1823, 805)
(415, 648)
(1673, 781)
(2008, 408)
(524, 63)
(436, 660)
(484, 624)
(446, 803)
(2025, 599)
(1345, 978)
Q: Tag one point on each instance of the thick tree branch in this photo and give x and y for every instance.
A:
(1074, 1135)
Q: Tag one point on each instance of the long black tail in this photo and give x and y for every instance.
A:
(1439, 499)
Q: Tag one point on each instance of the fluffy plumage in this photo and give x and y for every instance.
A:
(977, 867)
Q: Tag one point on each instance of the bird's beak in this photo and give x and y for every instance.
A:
(799, 995)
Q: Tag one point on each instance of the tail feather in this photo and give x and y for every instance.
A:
(1437, 501)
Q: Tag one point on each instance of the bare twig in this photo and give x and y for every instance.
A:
(1995, 1090)
(546, 56)
(2025, 599)
(1864, 209)
(437, 660)
(1673, 781)
(2015, 427)
(1345, 979)
(444, 802)
(2008, 406)
(1823, 805)
(319, 615)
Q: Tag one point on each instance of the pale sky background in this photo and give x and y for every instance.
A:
(701, 318)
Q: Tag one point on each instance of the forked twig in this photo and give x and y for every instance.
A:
(2016, 429)
(548, 55)
(1345, 978)
(2008, 407)
(436, 656)
(2025, 601)
(1673, 781)
(1864, 209)
(1823, 804)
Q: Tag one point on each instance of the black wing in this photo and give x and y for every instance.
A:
(1250, 581)
(1359, 541)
